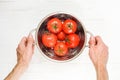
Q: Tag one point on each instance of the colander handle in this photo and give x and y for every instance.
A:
(30, 33)
(88, 32)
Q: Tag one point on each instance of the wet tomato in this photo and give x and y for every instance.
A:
(54, 25)
(72, 40)
(61, 35)
(49, 39)
(69, 26)
(61, 49)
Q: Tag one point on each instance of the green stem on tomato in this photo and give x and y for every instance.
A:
(67, 40)
(60, 50)
(55, 26)
(70, 25)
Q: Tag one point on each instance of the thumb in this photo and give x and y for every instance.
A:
(92, 41)
(30, 40)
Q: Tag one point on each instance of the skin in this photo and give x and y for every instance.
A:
(98, 53)
(25, 51)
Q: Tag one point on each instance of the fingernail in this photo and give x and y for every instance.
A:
(30, 36)
(92, 38)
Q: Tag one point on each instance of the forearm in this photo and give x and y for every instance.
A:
(102, 73)
(18, 70)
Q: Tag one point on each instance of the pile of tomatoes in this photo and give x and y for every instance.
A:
(61, 36)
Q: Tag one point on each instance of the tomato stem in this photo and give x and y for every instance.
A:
(55, 26)
(60, 50)
(70, 25)
(67, 40)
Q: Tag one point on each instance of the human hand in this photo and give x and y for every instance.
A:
(25, 50)
(98, 52)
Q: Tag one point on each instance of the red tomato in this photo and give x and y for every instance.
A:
(61, 49)
(54, 25)
(72, 40)
(49, 39)
(69, 26)
(61, 35)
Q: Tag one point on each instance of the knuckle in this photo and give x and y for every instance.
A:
(98, 37)
(17, 49)
(24, 38)
(18, 46)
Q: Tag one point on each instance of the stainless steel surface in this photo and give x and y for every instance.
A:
(73, 53)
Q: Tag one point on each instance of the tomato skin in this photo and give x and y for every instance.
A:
(61, 49)
(69, 26)
(72, 40)
(61, 35)
(54, 25)
(49, 39)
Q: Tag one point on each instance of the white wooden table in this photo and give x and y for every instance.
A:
(18, 17)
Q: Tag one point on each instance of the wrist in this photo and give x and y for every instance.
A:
(100, 67)
(17, 71)
(101, 71)
(22, 64)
